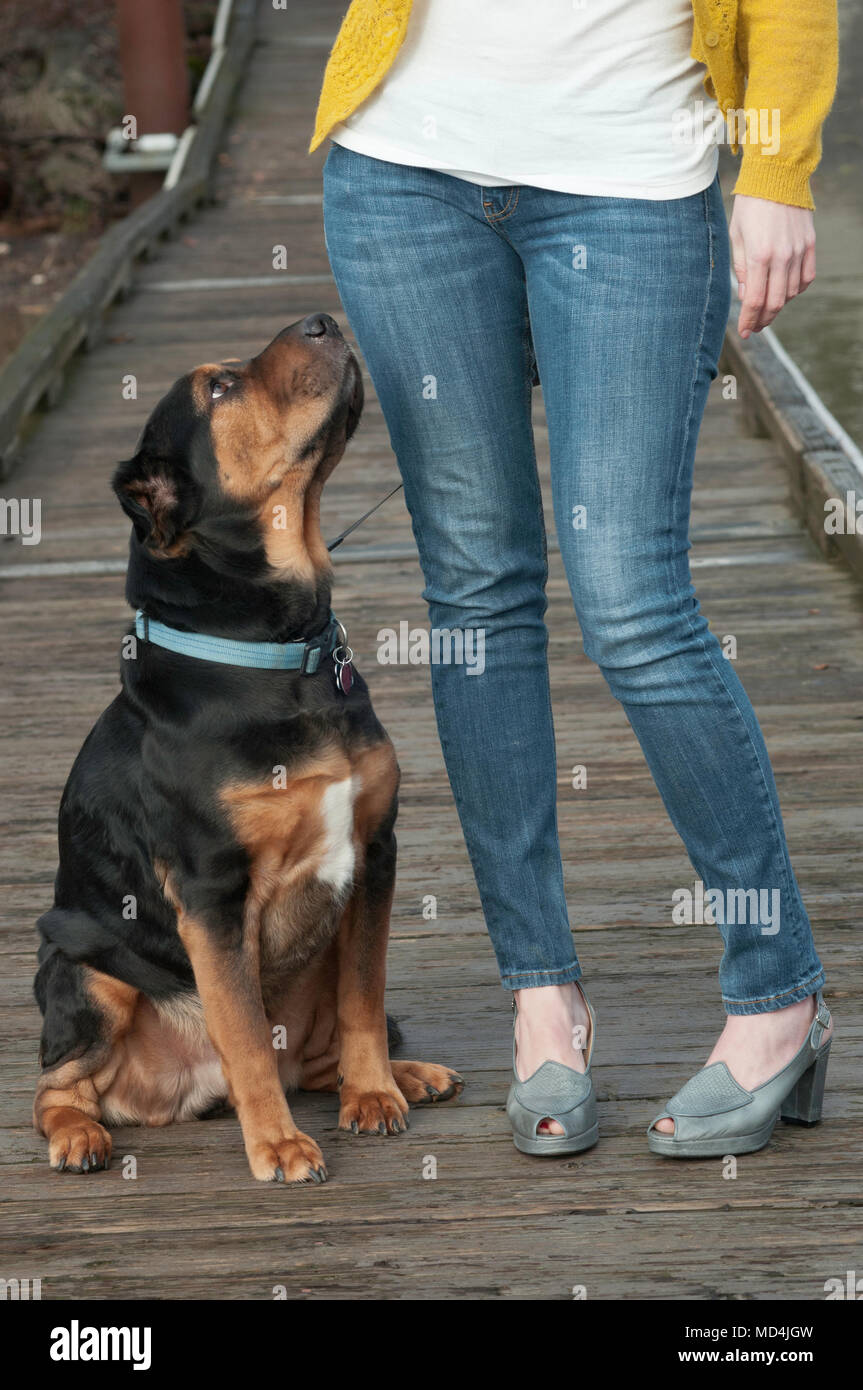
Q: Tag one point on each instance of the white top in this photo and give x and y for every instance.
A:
(583, 96)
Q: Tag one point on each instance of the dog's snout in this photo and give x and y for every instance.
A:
(320, 326)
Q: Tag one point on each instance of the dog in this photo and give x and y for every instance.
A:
(227, 848)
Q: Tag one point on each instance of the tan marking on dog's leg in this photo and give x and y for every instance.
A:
(229, 985)
(376, 1090)
(371, 1101)
(370, 1098)
(66, 1109)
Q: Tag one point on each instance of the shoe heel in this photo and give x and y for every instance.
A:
(802, 1106)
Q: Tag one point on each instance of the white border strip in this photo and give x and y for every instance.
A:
(61, 569)
(202, 96)
(233, 282)
(220, 28)
(181, 154)
(288, 200)
(211, 72)
(848, 446)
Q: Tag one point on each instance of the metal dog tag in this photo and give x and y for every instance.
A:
(344, 676)
(342, 658)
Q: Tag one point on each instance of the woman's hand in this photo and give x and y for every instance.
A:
(773, 251)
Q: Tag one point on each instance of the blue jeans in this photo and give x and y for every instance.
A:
(450, 290)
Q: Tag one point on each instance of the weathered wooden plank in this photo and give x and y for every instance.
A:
(652, 1255)
(821, 463)
(493, 1223)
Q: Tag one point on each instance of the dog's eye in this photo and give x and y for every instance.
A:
(218, 386)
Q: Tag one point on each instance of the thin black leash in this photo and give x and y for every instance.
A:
(338, 540)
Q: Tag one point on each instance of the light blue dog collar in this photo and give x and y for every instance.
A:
(267, 656)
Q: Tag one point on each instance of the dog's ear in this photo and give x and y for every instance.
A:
(149, 495)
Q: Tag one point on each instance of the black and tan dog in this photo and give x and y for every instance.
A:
(227, 855)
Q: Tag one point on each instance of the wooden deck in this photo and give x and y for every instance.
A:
(492, 1224)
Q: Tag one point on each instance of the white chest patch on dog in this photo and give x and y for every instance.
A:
(336, 866)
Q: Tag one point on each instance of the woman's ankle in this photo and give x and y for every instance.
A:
(552, 1025)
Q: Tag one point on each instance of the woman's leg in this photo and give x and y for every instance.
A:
(437, 302)
(628, 302)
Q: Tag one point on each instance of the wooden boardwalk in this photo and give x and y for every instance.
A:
(492, 1223)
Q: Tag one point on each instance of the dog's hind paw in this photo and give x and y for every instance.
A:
(424, 1082)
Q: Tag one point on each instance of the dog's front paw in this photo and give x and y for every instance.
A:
(290, 1158)
(82, 1147)
(383, 1111)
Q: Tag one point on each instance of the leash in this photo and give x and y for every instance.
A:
(338, 540)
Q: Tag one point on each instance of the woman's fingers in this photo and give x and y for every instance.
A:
(795, 266)
(773, 248)
(776, 295)
(754, 294)
(807, 273)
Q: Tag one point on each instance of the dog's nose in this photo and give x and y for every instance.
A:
(319, 325)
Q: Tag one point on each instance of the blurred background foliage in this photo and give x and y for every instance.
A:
(61, 91)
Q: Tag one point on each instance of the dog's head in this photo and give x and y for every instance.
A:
(234, 443)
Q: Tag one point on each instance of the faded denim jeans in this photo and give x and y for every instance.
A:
(623, 304)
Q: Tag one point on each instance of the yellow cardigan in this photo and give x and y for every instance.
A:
(782, 54)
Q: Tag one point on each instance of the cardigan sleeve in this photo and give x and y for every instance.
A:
(789, 52)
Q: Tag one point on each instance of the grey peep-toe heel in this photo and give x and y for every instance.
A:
(714, 1116)
(554, 1092)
